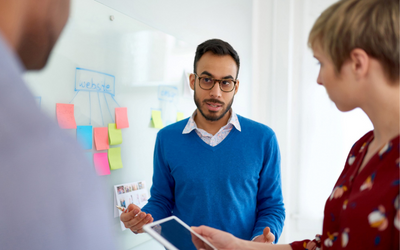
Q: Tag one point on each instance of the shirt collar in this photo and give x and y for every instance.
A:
(191, 124)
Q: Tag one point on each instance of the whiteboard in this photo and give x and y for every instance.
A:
(105, 60)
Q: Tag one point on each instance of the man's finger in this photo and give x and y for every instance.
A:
(133, 212)
(137, 226)
(131, 207)
(141, 218)
(148, 221)
(268, 236)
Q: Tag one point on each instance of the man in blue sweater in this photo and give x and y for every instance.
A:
(229, 175)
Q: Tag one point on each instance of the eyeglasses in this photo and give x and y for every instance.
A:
(207, 83)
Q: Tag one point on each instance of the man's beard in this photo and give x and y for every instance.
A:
(212, 117)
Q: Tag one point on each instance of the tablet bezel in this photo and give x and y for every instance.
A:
(147, 228)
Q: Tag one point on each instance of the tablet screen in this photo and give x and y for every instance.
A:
(176, 234)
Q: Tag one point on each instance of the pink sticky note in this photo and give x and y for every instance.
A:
(101, 138)
(101, 163)
(121, 118)
(65, 115)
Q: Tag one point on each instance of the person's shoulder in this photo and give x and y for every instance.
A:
(362, 141)
(174, 128)
(254, 127)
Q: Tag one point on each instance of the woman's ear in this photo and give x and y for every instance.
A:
(360, 63)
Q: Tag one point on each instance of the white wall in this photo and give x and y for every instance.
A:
(194, 22)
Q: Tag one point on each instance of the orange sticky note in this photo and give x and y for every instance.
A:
(101, 163)
(65, 115)
(101, 138)
(121, 118)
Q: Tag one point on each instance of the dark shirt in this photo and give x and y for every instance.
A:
(363, 210)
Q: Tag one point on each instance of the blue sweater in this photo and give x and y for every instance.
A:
(234, 186)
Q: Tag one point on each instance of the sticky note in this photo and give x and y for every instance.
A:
(84, 136)
(114, 134)
(101, 138)
(156, 119)
(65, 115)
(101, 163)
(179, 116)
(114, 158)
(121, 118)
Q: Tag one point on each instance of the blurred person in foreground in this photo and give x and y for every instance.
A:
(357, 45)
(49, 211)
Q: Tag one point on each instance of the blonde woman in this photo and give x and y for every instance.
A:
(357, 45)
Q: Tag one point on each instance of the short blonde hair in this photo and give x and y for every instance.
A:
(371, 25)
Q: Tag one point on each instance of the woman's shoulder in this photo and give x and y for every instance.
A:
(362, 142)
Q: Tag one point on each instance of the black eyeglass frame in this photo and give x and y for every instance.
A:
(216, 80)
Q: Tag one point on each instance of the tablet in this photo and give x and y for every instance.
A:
(173, 233)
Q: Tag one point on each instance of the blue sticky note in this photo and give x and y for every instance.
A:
(84, 136)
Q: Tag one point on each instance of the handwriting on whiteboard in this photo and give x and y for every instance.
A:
(94, 81)
(167, 93)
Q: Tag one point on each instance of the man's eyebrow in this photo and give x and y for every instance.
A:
(206, 73)
(209, 74)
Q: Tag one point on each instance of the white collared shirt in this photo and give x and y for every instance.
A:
(212, 140)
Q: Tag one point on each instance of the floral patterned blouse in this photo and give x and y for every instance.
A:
(363, 210)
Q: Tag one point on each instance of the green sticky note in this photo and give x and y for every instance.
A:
(156, 119)
(114, 158)
(114, 134)
(179, 116)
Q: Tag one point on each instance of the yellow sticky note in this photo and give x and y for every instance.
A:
(114, 134)
(114, 158)
(179, 116)
(156, 119)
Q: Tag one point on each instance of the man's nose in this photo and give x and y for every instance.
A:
(216, 90)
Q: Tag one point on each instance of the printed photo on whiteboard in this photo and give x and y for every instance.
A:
(120, 190)
(130, 193)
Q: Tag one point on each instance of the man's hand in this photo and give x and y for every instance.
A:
(135, 219)
(267, 236)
